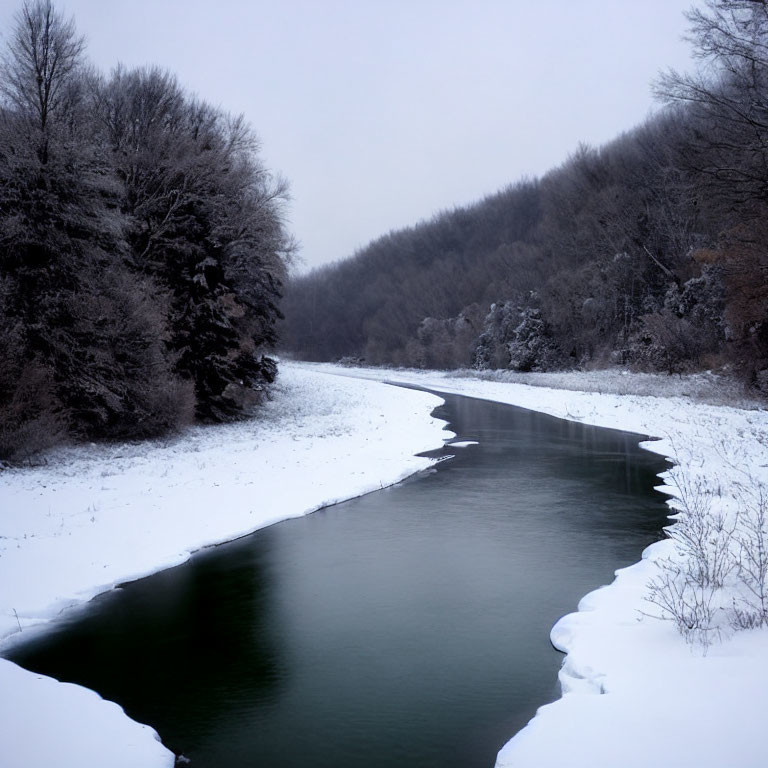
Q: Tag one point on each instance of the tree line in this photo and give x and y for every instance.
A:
(142, 248)
(650, 251)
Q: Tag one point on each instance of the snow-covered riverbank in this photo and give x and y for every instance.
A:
(98, 516)
(95, 517)
(668, 704)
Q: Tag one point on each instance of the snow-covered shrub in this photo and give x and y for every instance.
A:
(690, 605)
(703, 534)
(700, 300)
(688, 587)
(515, 337)
(675, 336)
(531, 348)
(665, 342)
(444, 343)
(351, 361)
(716, 578)
(750, 608)
(498, 328)
(30, 415)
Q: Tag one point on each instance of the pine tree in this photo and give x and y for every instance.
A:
(205, 223)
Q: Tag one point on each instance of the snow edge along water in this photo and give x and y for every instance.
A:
(64, 537)
(642, 664)
(670, 704)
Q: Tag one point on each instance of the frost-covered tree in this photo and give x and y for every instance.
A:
(492, 347)
(39, 69)
(206, 223)
(86, 340)
(531, 347)
(141, 248)
(516, 336)
(727, 153)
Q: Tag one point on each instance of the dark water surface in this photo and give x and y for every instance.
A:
(409, 627)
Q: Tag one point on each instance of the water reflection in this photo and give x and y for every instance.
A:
(169, 647)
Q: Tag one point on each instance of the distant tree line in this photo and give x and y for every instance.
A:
(651, 251)
(142, 248)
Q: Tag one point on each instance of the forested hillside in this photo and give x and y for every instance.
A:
(650, 251)
(141, 248)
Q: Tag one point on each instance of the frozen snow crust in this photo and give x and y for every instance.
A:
(95, 517)
(668, 705)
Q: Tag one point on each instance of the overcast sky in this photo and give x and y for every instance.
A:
(383, 112)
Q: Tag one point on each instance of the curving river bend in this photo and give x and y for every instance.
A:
(408, 627)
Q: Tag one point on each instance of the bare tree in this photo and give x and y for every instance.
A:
(728, 96)
(43, 53)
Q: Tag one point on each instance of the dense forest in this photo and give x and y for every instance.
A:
(651, 251)
(142, 248)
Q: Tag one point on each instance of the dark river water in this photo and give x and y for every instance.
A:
(409, 627)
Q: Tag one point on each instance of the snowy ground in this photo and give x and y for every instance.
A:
(668, 703)
(94, 517)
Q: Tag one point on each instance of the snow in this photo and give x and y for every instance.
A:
(97, 516)
(666, 702)
(47, 723)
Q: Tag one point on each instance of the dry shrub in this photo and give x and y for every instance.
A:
(31, 421)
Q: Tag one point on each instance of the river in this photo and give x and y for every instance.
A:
(408, 627)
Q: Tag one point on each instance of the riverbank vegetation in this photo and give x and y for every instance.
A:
(649, 251)
(142, 248)
(715, 579)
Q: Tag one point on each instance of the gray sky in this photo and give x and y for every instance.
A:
(383, 112)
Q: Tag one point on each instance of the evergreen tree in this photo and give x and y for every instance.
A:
(205, 222)
(141, 249)
(65, 295)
